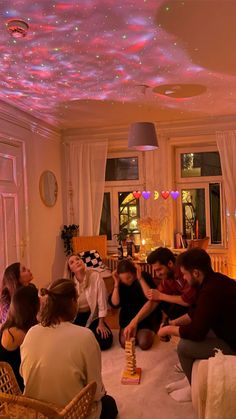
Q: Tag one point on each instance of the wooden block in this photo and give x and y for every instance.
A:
(128, 378)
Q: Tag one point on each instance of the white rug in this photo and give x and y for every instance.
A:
(149, 399)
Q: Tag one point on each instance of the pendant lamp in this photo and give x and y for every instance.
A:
(142, 136)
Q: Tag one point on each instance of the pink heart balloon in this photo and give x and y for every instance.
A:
(146, 194)
(174, 194)
(165, 194)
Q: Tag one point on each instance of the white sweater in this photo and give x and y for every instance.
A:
(57, 362)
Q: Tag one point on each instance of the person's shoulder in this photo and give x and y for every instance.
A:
(12, 338)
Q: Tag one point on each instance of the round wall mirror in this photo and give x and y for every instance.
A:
(48, 188)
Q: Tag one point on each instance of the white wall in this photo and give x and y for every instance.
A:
(42, 152)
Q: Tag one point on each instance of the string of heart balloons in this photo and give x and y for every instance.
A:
(156, 194)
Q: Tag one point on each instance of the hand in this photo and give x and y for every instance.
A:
(130, 330)
(164, 331)
(103, 331)
(153, 295)
(116, 278)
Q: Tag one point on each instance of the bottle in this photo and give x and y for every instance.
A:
(120, 251)
(129, 248)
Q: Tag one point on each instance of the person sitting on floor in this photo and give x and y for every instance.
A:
(15, 276)
(92, 301)
(211, 323)
(59, 358)
(21, 317)
(128, 296)
(173, 293)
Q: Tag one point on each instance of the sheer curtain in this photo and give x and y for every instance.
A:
(86, 173)
(226, 143)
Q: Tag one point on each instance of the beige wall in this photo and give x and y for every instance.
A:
(42, 152)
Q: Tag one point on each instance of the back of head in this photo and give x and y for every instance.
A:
(10, 282)
(24, 308)
(125, 266)
(163, 255)
(195, 258)
(58, 305)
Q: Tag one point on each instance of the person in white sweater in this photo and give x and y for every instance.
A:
(59, 358)
(92, 301)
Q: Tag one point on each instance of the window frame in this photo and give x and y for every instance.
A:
(129, 154)
(199, 182)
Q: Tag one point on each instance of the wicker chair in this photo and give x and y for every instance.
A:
(14, 405)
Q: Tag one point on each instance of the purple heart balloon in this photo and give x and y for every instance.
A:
(146, 194)
(174, 194)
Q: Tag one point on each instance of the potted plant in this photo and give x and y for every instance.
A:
(122, 235)
(67, 233)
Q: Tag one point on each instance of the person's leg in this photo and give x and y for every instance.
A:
(189, 351)
(81, 318)
(109, 408)
(145, 338)
(104, 343)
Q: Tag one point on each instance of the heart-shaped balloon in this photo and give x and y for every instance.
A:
(137, 194)
(146, 194)
(174, 194)
(165, 194)
(156, 195)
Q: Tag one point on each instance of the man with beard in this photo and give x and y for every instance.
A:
(211, 323)
(173, 295)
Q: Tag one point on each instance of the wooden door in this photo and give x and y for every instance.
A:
(13, 208)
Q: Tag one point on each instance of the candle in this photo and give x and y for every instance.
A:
(197, 231)
(143, 242)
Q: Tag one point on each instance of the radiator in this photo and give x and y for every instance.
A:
(219, 263)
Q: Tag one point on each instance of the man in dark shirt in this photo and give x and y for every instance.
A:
(211, 323)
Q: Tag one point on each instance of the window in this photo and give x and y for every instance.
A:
(198, 175)
(120, 208)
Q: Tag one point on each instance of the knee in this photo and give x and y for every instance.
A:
(145, 340)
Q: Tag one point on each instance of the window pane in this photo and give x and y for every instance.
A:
(129, 212)
(105, 224)
(215, 214)
(193, 210)
(200, 164)
(125, 168)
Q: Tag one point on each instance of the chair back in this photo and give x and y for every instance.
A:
(202, 243)
(81, 405)
(19, 406)
(8, 383)
(83, 243)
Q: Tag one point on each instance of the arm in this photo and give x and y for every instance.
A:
(168, 331)
(181, 321)
(145, 287)
(155, 295)
(147, 309)
(115, 296)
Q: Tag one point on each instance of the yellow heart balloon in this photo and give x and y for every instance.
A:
(156, 195)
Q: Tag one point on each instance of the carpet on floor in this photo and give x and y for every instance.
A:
(149, 399)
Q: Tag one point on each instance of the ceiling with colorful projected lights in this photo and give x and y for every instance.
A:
(86, 63)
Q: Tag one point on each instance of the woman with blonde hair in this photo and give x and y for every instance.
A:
(92, 301)
(59, 358)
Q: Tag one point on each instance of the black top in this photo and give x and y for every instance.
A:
(132, 300)
(12, 358)
(215, 309)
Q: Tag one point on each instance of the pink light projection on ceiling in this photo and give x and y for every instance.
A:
(101, 50)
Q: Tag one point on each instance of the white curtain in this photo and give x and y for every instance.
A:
(87, 164)
(226, 143)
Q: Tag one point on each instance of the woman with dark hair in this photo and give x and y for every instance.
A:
(92, 301)
(59, 358)
(129, 297)
(21, 317)
(15, 276)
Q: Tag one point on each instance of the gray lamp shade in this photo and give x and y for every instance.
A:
(142, 136)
